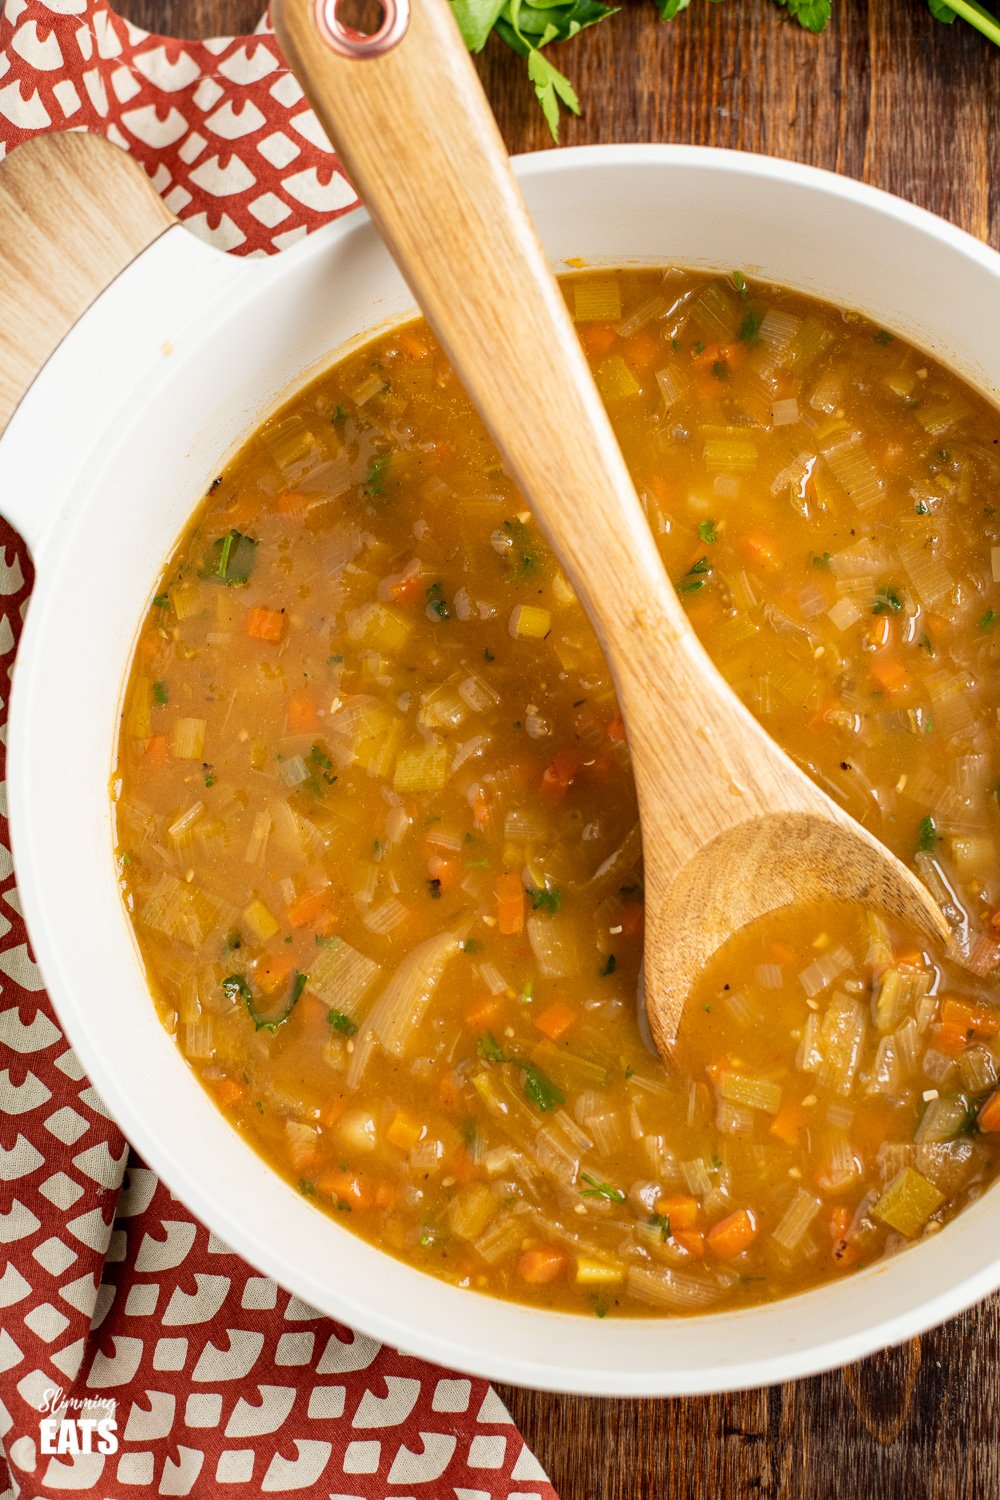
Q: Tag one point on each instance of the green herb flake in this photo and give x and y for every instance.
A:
(720, 369)
(740, 285)
(488, 654)
(821, 560)
(988, 621)
(306, 1188)
(695, 578)
(600, 1189)
(926, 835)
(708, 532)
(375, 479)
(750, 327)
(231, 559)
(236, 987)
(662, 1223)
(436, 601)
(161, 600)
(883, 336)
(545, 899)
(489, 1049)
(608, 967)
(341, 1023)
(887, 602)
(161, 693)
(209, 778)
(540, 1090)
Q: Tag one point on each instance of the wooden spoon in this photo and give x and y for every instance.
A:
(731, 828)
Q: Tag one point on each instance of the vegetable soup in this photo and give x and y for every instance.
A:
(378, 838)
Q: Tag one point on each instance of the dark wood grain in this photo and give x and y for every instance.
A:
(889, 95)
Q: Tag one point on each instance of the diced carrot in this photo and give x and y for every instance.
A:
(291, 503)
(308, 907)
(227, 1091)
(332, 1110)
(448, 1091)
(597, 338)
(272, 973)
(989, 1115)
(385, 1195)
(641, 351)
(559, 774)
(409, 589)
(265, 625)
(410, 343)
(879, 633)
(788, 1122)
(461, 1166)
(783, 953)
(889, 673)
(404, 1131)
(616, 729)
(556, 1019)
(156, 750)
(510, 904)
(963, 1022)
(311, 1015)
(759, 548)
(706, 355)
(541, 1264)
(840, 1221)
(347, 1187)
(691, 1240)
(633, 919)
(446, 872)
(733, 1234)
(301, 714)
(483, 1013)
(995, 919)
(681, 1209)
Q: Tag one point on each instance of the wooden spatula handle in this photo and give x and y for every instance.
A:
(74, 212)
(417, 115)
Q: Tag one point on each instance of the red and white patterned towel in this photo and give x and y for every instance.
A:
(218, 1382)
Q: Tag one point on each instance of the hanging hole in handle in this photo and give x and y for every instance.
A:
(362, 28)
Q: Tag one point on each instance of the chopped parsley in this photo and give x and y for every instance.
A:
(538, 1087)
(306, 1188)
(161, 693)
(887, 602)
(707, 531)
(321, 763)
(341, 1023)
(489, 1049)
(436, 601)
(547, 899)
(209, 778)
(750, 327)
(339, 415)
(609, 966)
(161, 600)
(989, 620)
(821, 560)
(523, 551)
(883, 336)
(662, 1223)
(231, 559)
(696, 577)
(600, 1189)
(488, 654)
(377, 474)
(926, 835)
(720, 369)
(235, 987)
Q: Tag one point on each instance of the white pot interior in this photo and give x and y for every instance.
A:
(266, 327)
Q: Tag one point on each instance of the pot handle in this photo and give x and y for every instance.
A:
(74, 212)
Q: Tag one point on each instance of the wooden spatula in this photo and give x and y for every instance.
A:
(731, 829)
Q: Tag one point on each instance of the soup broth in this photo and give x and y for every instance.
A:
(378, 836)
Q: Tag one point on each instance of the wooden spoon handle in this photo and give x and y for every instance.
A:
(417, 135)
(74, 212)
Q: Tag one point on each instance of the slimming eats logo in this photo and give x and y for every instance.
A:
(71, 1424)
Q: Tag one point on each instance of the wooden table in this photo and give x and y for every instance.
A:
(889, 95)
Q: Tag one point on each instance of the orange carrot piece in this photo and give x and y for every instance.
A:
(291, 503)
(447, 872)
(301, 714)
(889, 674)
(483, 1013)
(404, 1131)
(481, 813)
(227, 1091)
(448, 1092)
(963, 1022)
(332, 1110)
(556, 1019)
(510, 905)
(346, 1187)
(410, 343)
(272, 973)
(616, 729)
(691, 1240)
(641, 351)
(733, 1234)
(541, 1264)
(156, 750)
(759, 548)
(559, 774)
(681, 1209)
(879, 633)
(989, 1115)
(308, 907)
(408, 590)
(633, 919)
(265, 625)
(788, 1122)
(597, 338)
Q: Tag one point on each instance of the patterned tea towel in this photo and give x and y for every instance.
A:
(137, 1352)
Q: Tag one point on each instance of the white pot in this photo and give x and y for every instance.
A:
(102, 464)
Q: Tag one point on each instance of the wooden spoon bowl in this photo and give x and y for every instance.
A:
(732, 829)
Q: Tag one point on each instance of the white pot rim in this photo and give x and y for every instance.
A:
(460, 1330)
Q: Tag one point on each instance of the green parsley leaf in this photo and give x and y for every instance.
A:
(662, 1223)
(926, 835)
(231, 559)
(540, 1090)
(436, 600)
(883, 336)
(161, 693)
(489, 1049)
(476, 19)
(377, 474)
(707, 531)
(740, 285)
(821, 560)
(887, 602)
(750, 327)
(695, 578)
(812, 15)
(341, 1023)
(600, 1189)
(209, 778)
(609, 966)
(161, 600)
(989, 620)
(547, 899)
(235, 987)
